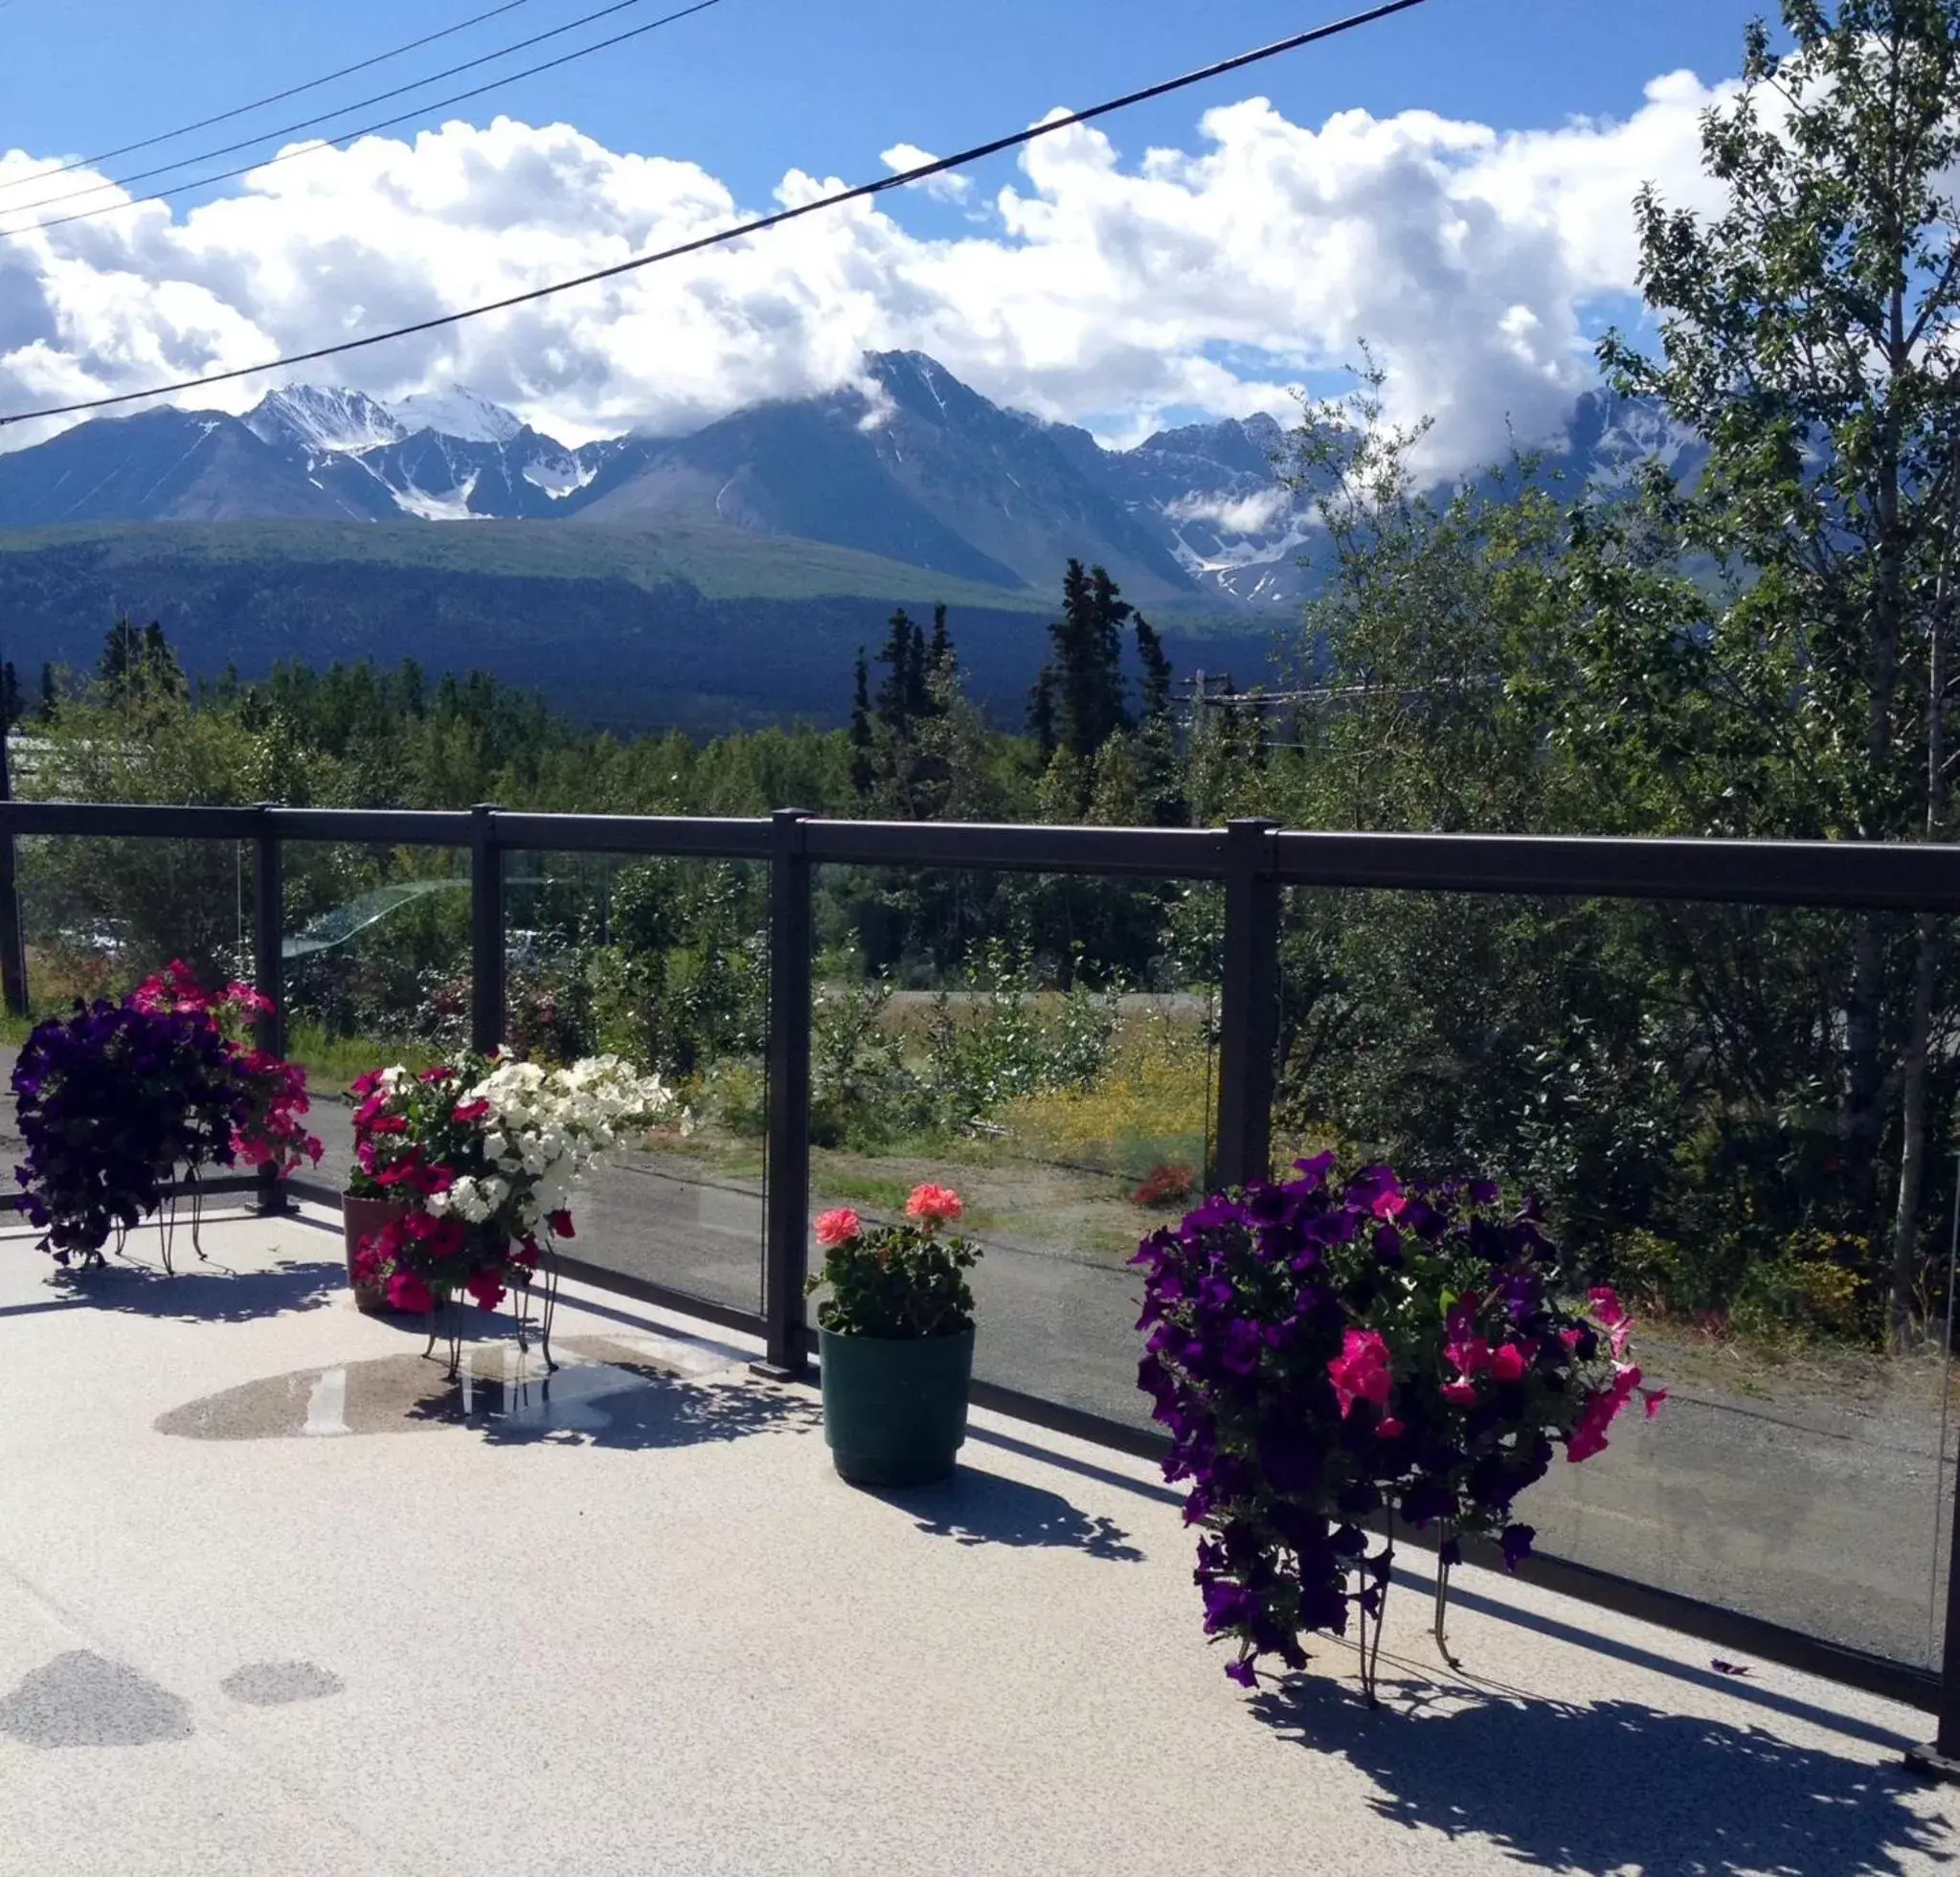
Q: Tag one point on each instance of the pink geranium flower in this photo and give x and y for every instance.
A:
(932, 1205)
(838, 1227)
(1361, 1371)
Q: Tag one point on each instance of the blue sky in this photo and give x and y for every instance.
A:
(756, 86)
(1474, 225)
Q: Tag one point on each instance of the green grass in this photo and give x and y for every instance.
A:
(332, 1062)
(721, 562)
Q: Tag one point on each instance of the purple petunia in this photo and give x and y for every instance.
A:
(1324, 1352)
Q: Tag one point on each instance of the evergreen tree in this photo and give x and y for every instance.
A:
(919, 692)
(138, 664)
(1161, 791)
(10, 710)
(49, 696)
(1041, 713)
(863, 768)
(415, 688)
(941, 648)
(1083, 681)
(897, 689)
(122, 656)
(1156, 672)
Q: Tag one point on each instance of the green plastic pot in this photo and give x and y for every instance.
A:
(894, 1408)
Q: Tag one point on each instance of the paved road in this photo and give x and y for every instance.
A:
(1818, 1515)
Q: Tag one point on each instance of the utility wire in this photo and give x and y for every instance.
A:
(327, 117)
(272, 98)
(938, 167)
(367, 130)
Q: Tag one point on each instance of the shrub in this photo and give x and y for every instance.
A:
(1822, 1286)
(1165, 1185)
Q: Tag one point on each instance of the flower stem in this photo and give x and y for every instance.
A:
(1443, 1567)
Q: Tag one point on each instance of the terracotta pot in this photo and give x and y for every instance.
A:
(361, 1219)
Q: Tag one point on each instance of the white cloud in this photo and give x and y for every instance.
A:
(1094, 283)
(948, 185)
(1248, 515)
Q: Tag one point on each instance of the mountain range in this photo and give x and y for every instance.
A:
(911, 465)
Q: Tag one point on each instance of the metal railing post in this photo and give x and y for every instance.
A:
(268, 967)
(786, 1189)
(12, 949)
(486, 986)
(1248, 1003)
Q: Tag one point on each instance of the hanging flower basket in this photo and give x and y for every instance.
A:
(1335, 1358)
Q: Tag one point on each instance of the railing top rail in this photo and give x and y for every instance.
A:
(1037, 847)
(393, 827)
(1877, 876)
(1874, 876)
(708, 837)
(107, 819)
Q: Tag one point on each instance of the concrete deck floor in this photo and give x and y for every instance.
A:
(266, 1607)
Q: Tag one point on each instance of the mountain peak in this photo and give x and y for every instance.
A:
(457, 412)
(323, 417)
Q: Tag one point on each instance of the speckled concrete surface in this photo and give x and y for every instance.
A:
(641, 1628)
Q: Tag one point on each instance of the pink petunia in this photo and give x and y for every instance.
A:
(466, 1111)
(1462, 1393)
(560, 1223)
(1361, 1371)
(1471, 1356)
(486, 1285)
(1652, 1399)
(1508, 1363)
(1610, 1314)
(838, 1227)
(406, 1291)
(1391, 1429)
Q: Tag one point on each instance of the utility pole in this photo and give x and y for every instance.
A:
(12, 953)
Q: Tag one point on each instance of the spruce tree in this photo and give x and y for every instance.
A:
(863, 770)
(897, 688)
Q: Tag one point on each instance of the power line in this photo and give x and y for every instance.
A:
(273, 98)
(325, 117)
(939, 165)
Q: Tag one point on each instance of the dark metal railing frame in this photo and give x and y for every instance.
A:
(1254, 859)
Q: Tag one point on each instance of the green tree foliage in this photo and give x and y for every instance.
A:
(1808, 331)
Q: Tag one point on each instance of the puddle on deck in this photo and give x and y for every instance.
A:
(644, 1391)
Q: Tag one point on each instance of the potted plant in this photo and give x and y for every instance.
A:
(119, 1098)
(405, 1129)
(464, 1168)
(1332, 1356)
(896, 1341)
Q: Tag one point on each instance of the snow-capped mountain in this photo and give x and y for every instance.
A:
(323, 419)
(911, 466)
(457, 412)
